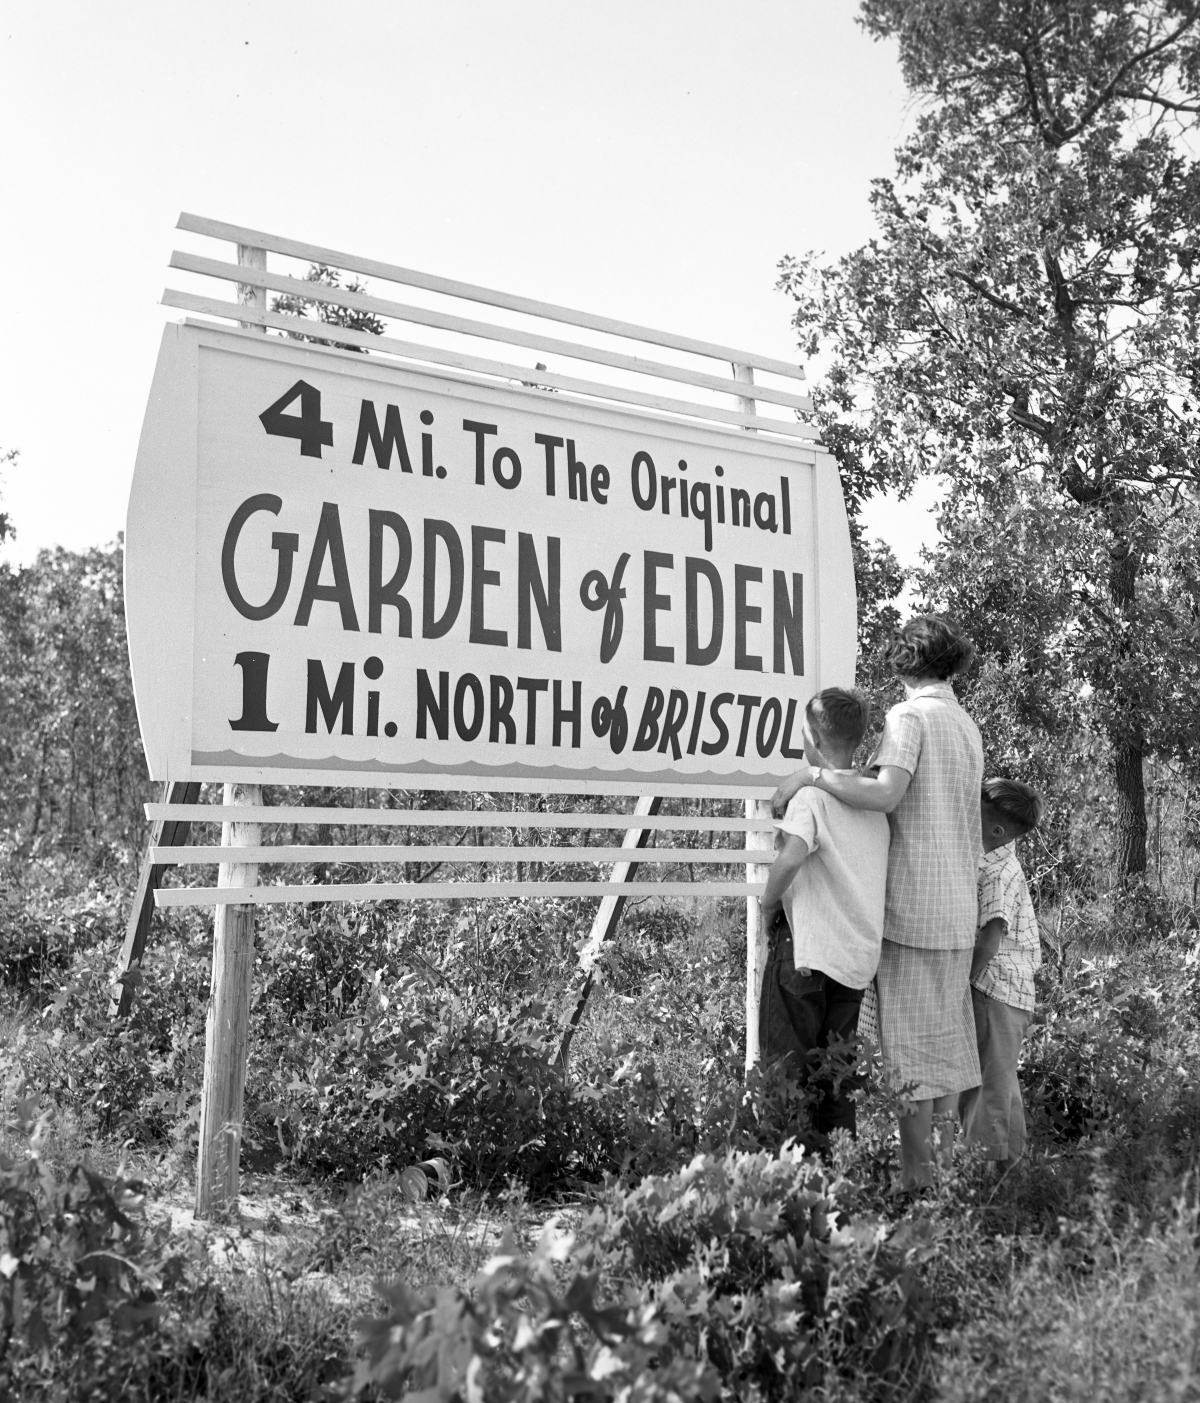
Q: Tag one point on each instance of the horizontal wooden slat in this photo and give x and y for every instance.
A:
(429, 891)
(373, 268)
(362, 853)
(478, 365)
(444, 321)
(451, 818)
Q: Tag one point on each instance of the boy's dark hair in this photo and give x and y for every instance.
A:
(840, 714)
(1020, 806)
(929, 646)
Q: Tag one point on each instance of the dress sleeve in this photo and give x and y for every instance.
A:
(801, 820)
(901, 742)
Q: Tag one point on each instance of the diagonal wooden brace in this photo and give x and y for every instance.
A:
(171, 833)
(607, 918)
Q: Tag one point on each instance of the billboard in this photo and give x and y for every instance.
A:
(343, 570)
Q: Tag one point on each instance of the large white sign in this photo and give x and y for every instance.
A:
(343, 571)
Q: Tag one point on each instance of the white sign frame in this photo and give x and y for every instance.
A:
(161, 589)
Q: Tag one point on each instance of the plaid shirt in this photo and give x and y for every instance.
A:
(1008, 976)
(932, 900)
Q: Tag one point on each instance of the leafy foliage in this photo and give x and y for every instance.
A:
(79, 1274)
(449, 1056)
(36, 949)
(71, 761)
(1025, 326)
(1106, 1054)
(329, 312)
(7, 457)
(520, 1335)
(367, 1054)
(737, 1273)
(138, 1075)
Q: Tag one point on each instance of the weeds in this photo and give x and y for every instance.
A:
(1123, 1329)
(1078, 1269)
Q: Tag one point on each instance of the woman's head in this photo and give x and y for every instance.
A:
(929, 646)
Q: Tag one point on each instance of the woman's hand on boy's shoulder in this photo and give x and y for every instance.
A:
(790, 787)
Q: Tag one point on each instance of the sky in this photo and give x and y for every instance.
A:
(651, 162)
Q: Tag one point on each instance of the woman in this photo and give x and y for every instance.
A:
(926, 776)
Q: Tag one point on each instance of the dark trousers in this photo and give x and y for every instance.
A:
(800, 1015)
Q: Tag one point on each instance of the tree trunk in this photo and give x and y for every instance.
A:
(1126, 555)
(1131, 809)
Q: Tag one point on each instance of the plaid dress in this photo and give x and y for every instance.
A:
(926, 1020)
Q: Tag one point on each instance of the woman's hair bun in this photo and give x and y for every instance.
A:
(929, 646)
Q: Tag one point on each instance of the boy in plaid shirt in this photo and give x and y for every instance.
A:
(1007, 951)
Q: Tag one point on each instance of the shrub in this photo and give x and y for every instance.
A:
(521, 1334)
(739, 1269)
(410, 1071)
(427, 1053)
(138, 1075)
(97, 1307)
(80, 1278)
(1118, 1049)
(36, 949)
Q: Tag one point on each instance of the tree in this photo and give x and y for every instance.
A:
(72, 772)
(1026, 323)
(329, 312)
(6, 526)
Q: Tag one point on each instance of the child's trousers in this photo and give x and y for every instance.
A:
(800, 1015)
(993, 1114)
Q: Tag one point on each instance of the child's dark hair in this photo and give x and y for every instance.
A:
(929, 646)
(1017, 804)
(839, 714)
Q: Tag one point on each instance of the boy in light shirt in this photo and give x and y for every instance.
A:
(828, 880)
(1008, 950)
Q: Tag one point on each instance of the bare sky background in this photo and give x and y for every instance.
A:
(645, 161)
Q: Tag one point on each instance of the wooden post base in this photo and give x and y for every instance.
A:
(756, 933)
(228, 1024)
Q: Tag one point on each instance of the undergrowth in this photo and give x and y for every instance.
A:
(696, 1253)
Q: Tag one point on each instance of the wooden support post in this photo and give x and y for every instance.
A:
(607, 918)
(756, 936)
(228, 1022)
(756, 932)
(227, 1031)
(167, 833)
(249, 295)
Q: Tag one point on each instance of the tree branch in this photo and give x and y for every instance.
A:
(1193, 108)
(946, 330)
(994, 298)
(1033, 422)
(1109, 90)
(1032, 90)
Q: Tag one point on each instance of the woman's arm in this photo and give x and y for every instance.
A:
(880, 792)
(783, 871)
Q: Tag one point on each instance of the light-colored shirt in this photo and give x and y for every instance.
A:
(1003, 892)
(932, 901)
(835, 902)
